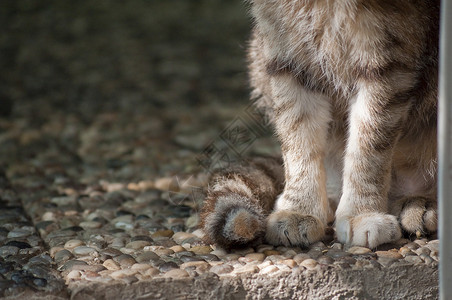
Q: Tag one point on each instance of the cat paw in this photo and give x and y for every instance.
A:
(419, 215)
(291, 228)
(368, 230)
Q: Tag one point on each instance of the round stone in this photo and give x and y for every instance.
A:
(151, 272)
(73, 243)
(176, 273)
(269, 269)
(325, 260)
(138, 245)
(163, 233)
(255, 256)
(177, 248)
(69, 265)
(8, 250)
(74, 274)
(83, 250)
(309, 264)
(19, 232)
(164, 252)
(389, 254)
(110, 264)
(165, 267)
(289, 262)
(90, 225)
(300, 257)
(63, 255)
(246, 269)
(180, 237)
(125, 260)
(219, 252)
(356, 250)
(147, 256)
(413, 259)
(18, 244)
(201, 249)
(123, 273)
(222, 269)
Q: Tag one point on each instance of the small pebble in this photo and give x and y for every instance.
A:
(176, 273)
(165, 267)
(90, 225)
(74, 274)
(271, 252)
(269, 269)
(177, 248)
(222, 269)
(125, 260)
(83, 250)
(390, 254)
(63, 255)
(289, 262)
(162, 233)
(256, 256)
(246, 269)
(8, 251)
(123, 273)
(73, 243)
(151, 272)
(110, 264)
(301, 257)
(356, 250)
(140, 267)
(164, 252)
(138, 245)
(201, 249)
(309, 264)
(413, 259)
(179, 237)
(147, 256)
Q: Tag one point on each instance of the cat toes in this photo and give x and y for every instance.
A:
(368, 230)
(419, 215)
(291, 228)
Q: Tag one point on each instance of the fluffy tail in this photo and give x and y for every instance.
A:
(238, 201)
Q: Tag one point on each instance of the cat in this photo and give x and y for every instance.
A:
(350, 87)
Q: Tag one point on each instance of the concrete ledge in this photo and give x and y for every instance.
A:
(395, 282)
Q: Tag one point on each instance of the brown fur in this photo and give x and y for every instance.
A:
(352, 84)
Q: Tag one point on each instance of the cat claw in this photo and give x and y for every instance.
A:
(290, 228)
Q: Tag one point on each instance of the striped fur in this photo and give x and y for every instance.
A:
(350, 85)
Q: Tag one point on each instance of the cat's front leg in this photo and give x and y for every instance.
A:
(302, 118)
(376, 117)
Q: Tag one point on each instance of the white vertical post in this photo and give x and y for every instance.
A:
(445, 151)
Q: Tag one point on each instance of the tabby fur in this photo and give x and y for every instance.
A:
(350, 87)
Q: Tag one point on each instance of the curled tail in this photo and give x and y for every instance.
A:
(238, 201)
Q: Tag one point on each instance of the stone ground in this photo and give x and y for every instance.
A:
(112, 115)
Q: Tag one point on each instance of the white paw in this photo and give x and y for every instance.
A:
(368, 230)
(291, 228)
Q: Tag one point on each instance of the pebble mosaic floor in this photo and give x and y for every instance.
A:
(107, 110)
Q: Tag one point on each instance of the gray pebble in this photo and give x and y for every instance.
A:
(125, 260)
(8, 250)
(147, 256)
(326, 260)
(67, 266)
(165, 267)
(83, 250)
(63, 255)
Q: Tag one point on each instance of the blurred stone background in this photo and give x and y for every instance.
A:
(120, 90)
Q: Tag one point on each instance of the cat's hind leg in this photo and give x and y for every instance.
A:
(417, 215)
